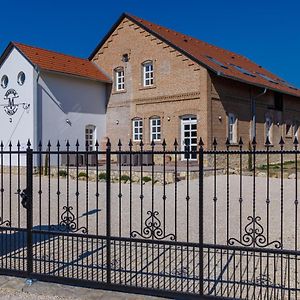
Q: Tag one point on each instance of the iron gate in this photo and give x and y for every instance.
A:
(141, 219)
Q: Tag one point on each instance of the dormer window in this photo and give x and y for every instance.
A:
(148, 73)
(120, 79)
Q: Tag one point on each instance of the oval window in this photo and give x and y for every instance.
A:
(21, 78)
(4, 81)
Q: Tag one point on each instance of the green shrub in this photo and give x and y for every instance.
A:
(146, 179)
(82, 174)
(102, 176)
(125, 178)
(63, 173)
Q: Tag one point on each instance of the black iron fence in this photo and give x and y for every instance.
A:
(197, 222)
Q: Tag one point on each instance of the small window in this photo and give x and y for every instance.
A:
(21, 78)
(120, 79)
(232, 129)
(278, 101)
(4, 81)
(148, 74)
(90, 137)
(155, 129)
(137, 129)
(268, 128)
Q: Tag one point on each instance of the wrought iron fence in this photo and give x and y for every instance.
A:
(153, 219)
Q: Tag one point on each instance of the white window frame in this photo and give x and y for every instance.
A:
(155, 129)
(120, 79)
(90, 136)
(148, 73)
(268, 128)
(137, 130)
(232, 128)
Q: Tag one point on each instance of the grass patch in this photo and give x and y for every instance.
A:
(102, 176)
(125, 178)
(82, 174)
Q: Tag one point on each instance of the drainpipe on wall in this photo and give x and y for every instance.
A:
(253, 100)
(36, 115)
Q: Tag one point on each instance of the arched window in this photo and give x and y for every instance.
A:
(137, 129)
(155, 129)
(119, 79)
(148, 73)
(90, 137)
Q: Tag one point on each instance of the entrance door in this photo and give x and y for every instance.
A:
(189, 137)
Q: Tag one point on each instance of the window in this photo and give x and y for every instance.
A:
(21, 78)
(90, 137)
(148, 74)
(278, 101)
(120, 79)
(232, 128)
(268, 128)
(189, 137)
(137, 127)
(4, 81)
(155, 129)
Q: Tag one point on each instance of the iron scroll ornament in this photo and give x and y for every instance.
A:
(153, 228)
(254, 235)
(68, 222)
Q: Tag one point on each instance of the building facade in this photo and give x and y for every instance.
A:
(169, 86)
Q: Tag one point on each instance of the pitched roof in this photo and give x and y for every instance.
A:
(223, 62)
(62, 63)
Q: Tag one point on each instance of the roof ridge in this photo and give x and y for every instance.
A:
(44, 49)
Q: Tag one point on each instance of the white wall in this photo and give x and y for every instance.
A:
(81, 101)
(20, 125)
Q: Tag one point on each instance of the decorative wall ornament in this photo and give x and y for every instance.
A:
(11, 107)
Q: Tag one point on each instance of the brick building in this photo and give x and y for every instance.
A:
(168, 85)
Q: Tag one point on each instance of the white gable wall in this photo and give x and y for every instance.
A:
(80, 101)
(20, 125)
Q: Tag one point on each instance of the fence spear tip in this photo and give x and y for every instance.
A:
(77, 143)
(241, 141)
(201, 143)
(281, 142)
(254, 141)
(152, 143)
(130, 143)
(97, 143)
(58, 144)
(68, 144)
(164, 143)
(119, 143)
(296, 142)
(18, 144)
(215, 142)
(108, 144)
(227, 143)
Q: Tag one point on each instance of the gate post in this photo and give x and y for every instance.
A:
(29, 166)
(201, 175)
(108, 211)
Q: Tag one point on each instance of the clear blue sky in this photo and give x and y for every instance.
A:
(266, 31)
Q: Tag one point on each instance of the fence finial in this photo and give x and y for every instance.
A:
(267, 143)
(108, 144)
(77, 143)
(227, 143)
(281, 142)
(28, 143)
(49, 144)
(119, 143)
(215, 142)
(152, 144)
(164, 144)
(175, 143)
(241, 143)
(296, 142)
(97, 144)
(201, 143)
(130, 143)
(18, 144)
(58, 144)
(254, 143)
(68, 144)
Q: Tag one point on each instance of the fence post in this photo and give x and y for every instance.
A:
(29, 166)
(108, 211)
(201, 174)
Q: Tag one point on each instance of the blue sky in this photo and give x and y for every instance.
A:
(265, 31)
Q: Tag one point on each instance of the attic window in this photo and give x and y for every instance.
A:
(216, 62)
(244, 71)
(267, 78)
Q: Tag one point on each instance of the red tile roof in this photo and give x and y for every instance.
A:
(223, 62)
(58, 62)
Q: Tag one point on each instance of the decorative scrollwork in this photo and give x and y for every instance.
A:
(68, 223)
(254, 235)
(4, 222)
(153, 228)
